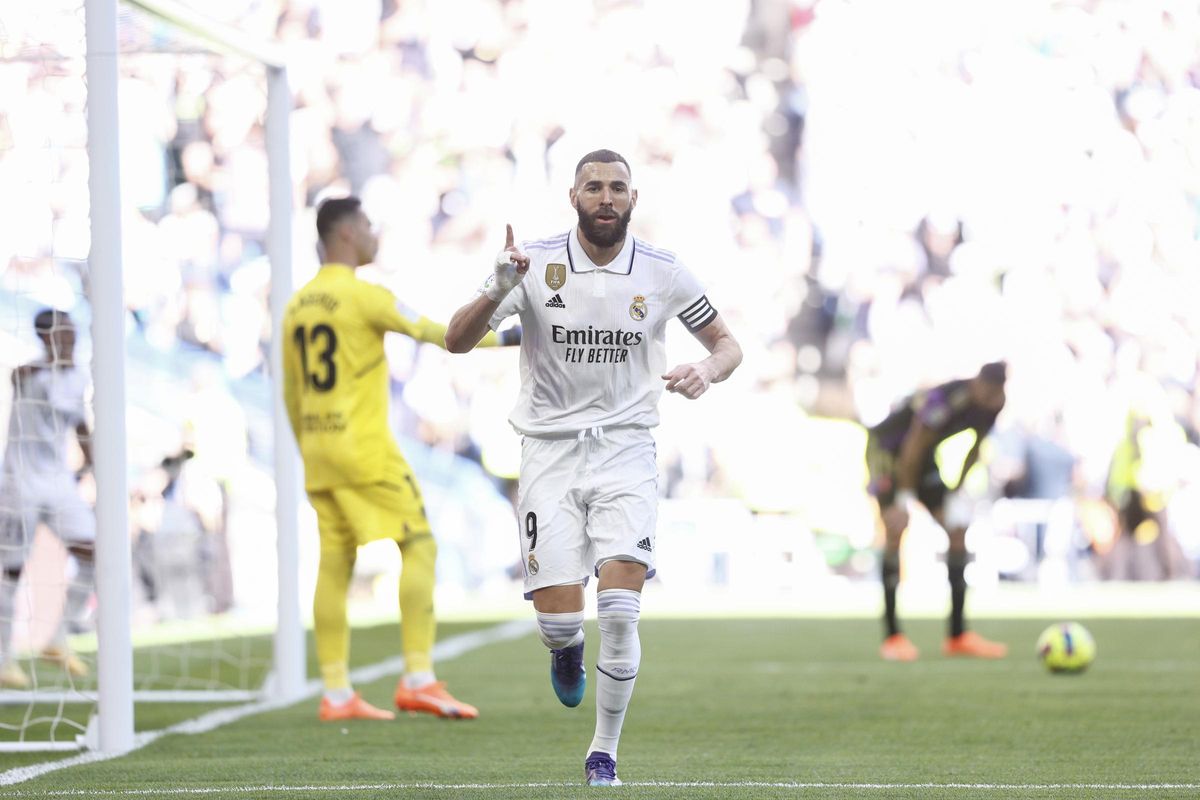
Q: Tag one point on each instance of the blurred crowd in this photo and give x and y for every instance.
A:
(880, 196)
(1024, 184)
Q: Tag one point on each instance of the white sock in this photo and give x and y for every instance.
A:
(560, 630)
(616, 664)
(79, 591)
(418, 680)
(8, 609)
(339, 697)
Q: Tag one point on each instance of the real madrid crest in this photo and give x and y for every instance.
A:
(556, 276)
(533, 565)
(637, 309)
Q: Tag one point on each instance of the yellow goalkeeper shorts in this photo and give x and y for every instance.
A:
(389, 509)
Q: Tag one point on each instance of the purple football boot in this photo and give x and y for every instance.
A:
(600, 770)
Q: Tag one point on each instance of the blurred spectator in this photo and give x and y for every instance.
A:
(1141, 479)
(177, 516)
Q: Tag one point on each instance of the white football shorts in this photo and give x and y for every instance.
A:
(52, 499)
(585, 500)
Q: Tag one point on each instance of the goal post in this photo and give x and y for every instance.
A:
(114, 654)
(287, 679)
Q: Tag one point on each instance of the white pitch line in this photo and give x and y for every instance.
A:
(391, 787)
(442, 651)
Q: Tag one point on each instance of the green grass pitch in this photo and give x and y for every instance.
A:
(760, 708)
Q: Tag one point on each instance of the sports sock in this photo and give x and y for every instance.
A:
(956, 566)
(418, 680)
(339, 696)
(891, 579)
(560, 630)
(330, 627)
(616, 664)
(418, 557)
(79, 591)
(8, 592)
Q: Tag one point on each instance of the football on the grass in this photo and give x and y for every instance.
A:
(1066, 647)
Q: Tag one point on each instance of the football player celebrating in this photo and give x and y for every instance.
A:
(594, 303)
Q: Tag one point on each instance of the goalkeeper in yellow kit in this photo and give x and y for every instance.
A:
(335, 386)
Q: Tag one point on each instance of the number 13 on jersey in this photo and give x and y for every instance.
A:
(321, 373)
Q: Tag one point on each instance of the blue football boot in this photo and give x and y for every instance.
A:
(567, 675)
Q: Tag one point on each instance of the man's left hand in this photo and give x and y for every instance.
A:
(689, 380)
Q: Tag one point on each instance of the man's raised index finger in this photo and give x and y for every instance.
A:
(508, 237)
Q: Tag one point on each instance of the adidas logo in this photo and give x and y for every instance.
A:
(556, 302)
(645, 544)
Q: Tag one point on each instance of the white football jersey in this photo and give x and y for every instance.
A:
(593, 344)
(46, 408)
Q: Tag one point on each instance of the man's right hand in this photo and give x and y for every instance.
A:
(511, 266)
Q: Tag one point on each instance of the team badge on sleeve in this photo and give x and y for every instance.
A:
(637, 309)
(556, 276)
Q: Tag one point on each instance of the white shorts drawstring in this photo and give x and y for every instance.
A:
(596, 432)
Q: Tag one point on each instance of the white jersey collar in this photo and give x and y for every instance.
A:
(621, 265)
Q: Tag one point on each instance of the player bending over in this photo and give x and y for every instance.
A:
(904, 472)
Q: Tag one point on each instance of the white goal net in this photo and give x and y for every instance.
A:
(195, 228)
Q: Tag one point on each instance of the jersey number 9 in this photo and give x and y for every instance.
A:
(531, 529)
(326, 378)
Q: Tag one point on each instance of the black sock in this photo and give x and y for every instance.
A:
(956, 566)
(891, 579)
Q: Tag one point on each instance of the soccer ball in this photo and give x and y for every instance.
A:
(1066, 647)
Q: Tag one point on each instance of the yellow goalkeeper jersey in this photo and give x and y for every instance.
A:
(335, 376)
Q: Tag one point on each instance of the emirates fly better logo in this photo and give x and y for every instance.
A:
(595, 345)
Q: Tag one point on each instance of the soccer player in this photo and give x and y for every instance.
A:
(335, 386)
(37, 485)
(901, 460)
(594, 304)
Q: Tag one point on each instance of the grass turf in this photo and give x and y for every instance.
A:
(729, 701)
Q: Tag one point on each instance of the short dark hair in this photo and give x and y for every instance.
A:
(602, 157)
(48, 319)
(994, 372)
(333, 211)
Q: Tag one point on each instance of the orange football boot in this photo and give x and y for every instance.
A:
(13, 677)
(355, 708)
(63, 657)
(433, 699)
(897, 647)
(970, 643)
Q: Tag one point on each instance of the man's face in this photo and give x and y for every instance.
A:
(60, 340)
(604, 202)
(366, 243)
